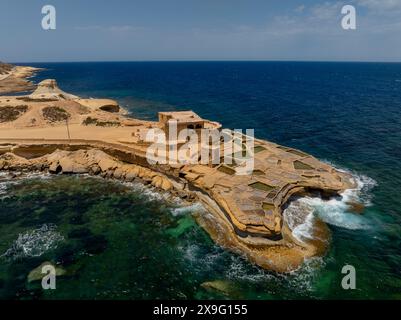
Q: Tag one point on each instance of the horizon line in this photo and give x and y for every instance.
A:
(207, 60)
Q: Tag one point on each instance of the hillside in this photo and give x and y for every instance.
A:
(14, 78)
(5, 68)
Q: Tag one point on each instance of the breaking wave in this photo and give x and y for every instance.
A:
(7, 179)
(151, 193)
(34, 243)
(301, 213)
(180, 211)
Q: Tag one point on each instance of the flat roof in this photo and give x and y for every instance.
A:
(188, 116)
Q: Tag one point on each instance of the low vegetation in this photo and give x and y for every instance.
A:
(54, 114)
(298, 165)
(96, 122)
(226, 170)
(28, 99)
(261, 186)
(5, 68)
(9, 113)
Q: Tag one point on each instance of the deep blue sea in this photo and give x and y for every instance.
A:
(348, 114)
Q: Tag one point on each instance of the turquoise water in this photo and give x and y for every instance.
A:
(116, 241)
(119, 241)
(125, 241)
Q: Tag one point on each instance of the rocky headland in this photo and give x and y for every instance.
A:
(53, 131)
(13, 79)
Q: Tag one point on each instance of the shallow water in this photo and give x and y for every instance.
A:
(347, 114)
(126, 241)
(116, 241)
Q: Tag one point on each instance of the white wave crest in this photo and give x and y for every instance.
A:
(335, 212)
(34, 243)
(196, 207)
(299, 217)
(304, 278)
(151, 193)
(301, 213)
(7, 181)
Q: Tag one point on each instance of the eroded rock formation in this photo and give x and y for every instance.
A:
(245, 212)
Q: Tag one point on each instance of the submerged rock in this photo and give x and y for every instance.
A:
(79, 233)
(34, 243)
(36, 274)
(95, 244)
(356, 207)
(220, 286)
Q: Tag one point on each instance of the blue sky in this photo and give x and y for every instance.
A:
(100, 30)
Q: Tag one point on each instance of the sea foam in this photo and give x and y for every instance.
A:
(195, 207)
(301, 213)
(34, 243)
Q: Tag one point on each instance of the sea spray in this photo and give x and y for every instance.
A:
(34, 243)
(301, 213)
(196, 207)
(148, 191)
(7, 180)
(304, 279)
(364, 184)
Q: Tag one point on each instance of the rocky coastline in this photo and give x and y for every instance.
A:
(13, 79)
(84, 159)
(56, 132)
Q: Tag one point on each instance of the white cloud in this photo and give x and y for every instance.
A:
(124, 28)
(380, 5)
(326, 10)
(306, 32)
(300, 9)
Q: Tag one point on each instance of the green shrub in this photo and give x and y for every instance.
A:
(55, 114)
(9, 113)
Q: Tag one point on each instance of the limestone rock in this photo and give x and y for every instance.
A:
(36, 274)
(106, 164)
(39, 167)
(236, 202)
(221, 286)
(68, 165)
(277, 225)
(118, 173)
(54, 167)
(95, 169)
(110, 173)
(134, 170)
(146, 174)
(130, 176)
(157, 181)
(48, 89)
(166, 185)
(107, 105)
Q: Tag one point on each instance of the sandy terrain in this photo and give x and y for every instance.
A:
(15, 80)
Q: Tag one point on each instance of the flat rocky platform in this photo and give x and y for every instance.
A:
(61, 133)
(13, 78)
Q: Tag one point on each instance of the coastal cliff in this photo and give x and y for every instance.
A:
(50, 130)
(13, 79)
